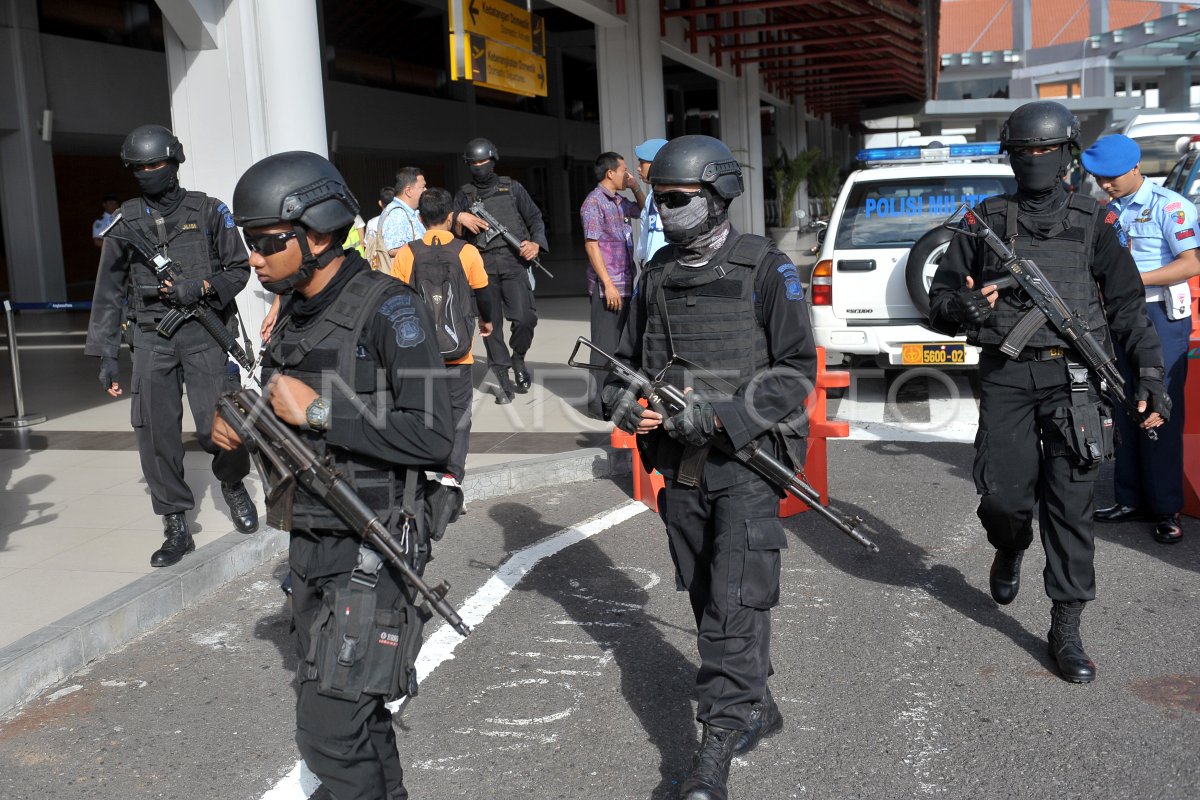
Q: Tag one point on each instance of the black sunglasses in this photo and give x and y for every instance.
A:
(268, 244)
(675, 199)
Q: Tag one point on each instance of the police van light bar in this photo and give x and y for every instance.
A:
(976, 150)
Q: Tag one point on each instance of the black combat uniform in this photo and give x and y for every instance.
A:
(373, 333)
(198, 233)
(742, 318)
(508, 276)
(1044, 427)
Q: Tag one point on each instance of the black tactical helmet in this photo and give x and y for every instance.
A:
(698, 159)
(298, 187)
(1042, 122)
(150, 144)
(480, 150)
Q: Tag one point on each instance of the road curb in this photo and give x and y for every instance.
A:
(46, 656)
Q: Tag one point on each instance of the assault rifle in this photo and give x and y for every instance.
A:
(1047, 306)
(266, 437)
(668, 400)
(165, 269)
(495, 228)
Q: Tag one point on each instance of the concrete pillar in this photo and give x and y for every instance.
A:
(741, 130)
(32, 243)
(1022, 26)
(792, 134)
(1174, 88)
(1097, 17)
(245, 79)
(629, 66)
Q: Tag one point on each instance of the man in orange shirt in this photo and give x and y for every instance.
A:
(434, 207)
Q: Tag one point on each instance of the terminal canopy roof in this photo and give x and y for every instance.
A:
(840, 56)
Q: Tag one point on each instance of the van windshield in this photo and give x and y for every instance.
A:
(897, 213)
(1158, 153)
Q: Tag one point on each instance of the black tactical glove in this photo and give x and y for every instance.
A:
(186, 292)
(695, 424)
(969, 306)
(624, 410)
(1151, 389)
(110, 372)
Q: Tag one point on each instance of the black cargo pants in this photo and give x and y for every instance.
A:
(161, 369)
(1022, 458)
(726, 547)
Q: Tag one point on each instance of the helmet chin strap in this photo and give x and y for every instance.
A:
(308, 265)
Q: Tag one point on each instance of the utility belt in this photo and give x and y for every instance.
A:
(1031, 353)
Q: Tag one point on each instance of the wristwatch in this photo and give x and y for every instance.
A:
(317, 414)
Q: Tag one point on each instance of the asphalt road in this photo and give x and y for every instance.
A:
(897, 675)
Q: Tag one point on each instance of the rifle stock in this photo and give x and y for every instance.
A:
(268, 438)
(668, 400)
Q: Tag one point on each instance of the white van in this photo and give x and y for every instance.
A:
(869, 297)
(1158, 135)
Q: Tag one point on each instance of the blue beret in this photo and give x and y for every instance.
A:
(647, 150)
(1112, 156)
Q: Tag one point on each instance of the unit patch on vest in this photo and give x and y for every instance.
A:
(400, 312)
(223, 210)
(791, 281)
(188, 226)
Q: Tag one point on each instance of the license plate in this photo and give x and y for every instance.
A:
(933, 355)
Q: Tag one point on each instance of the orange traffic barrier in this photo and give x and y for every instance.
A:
(647, 486)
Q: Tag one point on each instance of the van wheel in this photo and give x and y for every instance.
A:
(923, 260)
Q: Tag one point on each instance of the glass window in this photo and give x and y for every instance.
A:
(897, 213)
(1158, 153)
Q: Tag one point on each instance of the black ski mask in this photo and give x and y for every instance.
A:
(158, 182)
(1036, 174)
(481, 174)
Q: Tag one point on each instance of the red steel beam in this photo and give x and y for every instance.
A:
(784, 26)
(711, 10)
(794, 55)
(839, 67)
(737, 46)
(843, 87)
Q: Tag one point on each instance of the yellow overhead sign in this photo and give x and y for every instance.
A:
(499, 21)
(498, 66)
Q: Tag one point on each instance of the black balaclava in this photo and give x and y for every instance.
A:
(309, 264)
(483, 175)
(698, 229)
(1039, 180)
(161, 187)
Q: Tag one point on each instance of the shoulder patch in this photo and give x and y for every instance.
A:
(1110, 218)
(1173, 206)
(223, 210)
(399, 311)
(1185, 234)
(791, 281)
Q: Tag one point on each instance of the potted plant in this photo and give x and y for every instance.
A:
(789, 174)
(822, 181)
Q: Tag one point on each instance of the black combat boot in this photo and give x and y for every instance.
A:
(765, 721)
(1005, 578)
(1066, 646)
(178, 544)
(504, 394)
(521, 373)
(241, 507)
(710, 766)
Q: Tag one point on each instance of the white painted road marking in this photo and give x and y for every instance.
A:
(299, 783)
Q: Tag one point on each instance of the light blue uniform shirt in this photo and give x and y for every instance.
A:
(1160, 225)
(401, 226)
(651, 236)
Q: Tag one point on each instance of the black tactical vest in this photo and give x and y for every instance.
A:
(503, 206)
(1061, 244)
(183, 235)
(708, 317)
(326, 354)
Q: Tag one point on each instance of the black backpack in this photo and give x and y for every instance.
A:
(438, 276)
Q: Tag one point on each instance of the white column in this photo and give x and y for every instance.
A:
(792, 134)
(30, 203)
(246, 82)
(741, 130)
(629, 67)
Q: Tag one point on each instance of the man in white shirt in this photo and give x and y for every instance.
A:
(401, 223)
